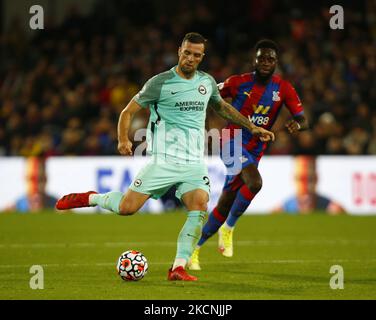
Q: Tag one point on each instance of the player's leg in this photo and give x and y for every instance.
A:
(146, 183)
(122, 204)
(215, 220)
(218, 216)
(195, 202)
(117, 202)
(194, 192)
(231, 186)
(252, 185)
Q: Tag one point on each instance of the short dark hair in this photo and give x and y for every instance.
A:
(267, 43)
(194, 37)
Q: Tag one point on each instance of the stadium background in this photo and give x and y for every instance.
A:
(61, 91)
(62, 88)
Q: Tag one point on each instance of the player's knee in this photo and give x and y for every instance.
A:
(200, 203)
(225, 202)
(224, 206)
(223, 213)
(255, 186)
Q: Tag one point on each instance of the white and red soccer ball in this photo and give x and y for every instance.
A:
(132, 265)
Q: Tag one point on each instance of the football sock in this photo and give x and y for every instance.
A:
(188, 237)
(227, 226)
(212, 225)
(179, 262)
(110, 201)
(241, 203)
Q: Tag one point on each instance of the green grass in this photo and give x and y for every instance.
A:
(276, 257)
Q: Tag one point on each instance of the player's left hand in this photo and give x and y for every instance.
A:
(292, 126)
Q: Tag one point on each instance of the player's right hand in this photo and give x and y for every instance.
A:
(263, 134)
(125, 148)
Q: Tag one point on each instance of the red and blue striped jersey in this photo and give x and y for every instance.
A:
(262, 103)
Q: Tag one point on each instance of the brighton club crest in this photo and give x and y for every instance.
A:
(202, 89)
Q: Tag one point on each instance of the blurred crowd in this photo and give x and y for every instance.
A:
(62, 90)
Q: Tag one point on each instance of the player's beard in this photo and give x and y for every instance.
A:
(188, 72)
(264, 78)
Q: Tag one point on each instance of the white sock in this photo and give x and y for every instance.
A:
(93, 199)
(228, 227)
(179, 262)
(110, 200)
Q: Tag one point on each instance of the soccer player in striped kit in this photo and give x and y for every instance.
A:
(258, 95)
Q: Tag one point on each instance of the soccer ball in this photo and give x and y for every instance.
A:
(132, 265)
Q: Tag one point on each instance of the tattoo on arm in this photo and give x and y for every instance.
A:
(228, 112)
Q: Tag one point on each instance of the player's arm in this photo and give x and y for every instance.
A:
(228, 112)
(124, 143)
(293, 103)
(146, 96)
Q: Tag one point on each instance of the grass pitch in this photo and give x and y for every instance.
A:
(275, 257)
